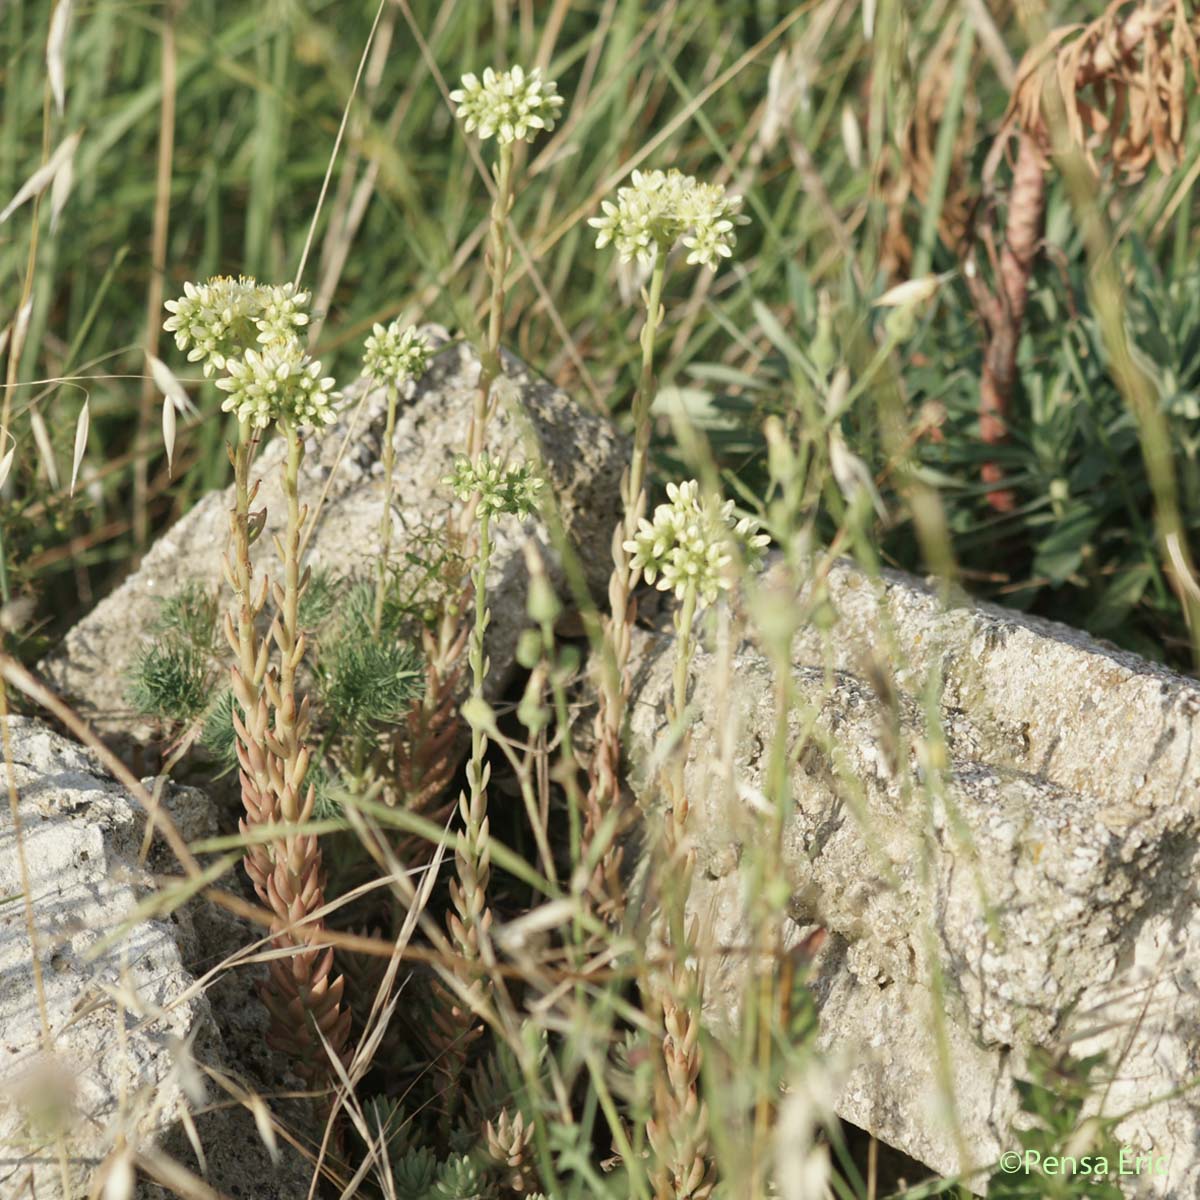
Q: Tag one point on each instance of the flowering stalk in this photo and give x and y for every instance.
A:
(684, 648)
(492, 490)
(498, 257)
(391, 357)
(512, 106)
(688, 547)
(605, 792)
(647, 220)
(278, 384)
(247, 676)
(385, 517)
(472, 855)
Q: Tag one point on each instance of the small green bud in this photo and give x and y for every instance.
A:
(543, 605)
(823, 350)
(901, 323)
(529, 648)
(531, 712)
(512, 490)
(569, 659)
(479, 714)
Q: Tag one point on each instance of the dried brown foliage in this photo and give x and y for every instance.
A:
(912, 175)
(678, 1133)
(1122, 83)
(1119, 87)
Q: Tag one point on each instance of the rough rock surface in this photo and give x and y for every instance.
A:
(582, 453)
(128, 1024)
(991, 796)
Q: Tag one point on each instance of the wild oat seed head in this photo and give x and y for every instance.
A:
(692, 539)
(512, 105)
(279, 383)
(512, 490)
(661, 208)
(394, 355)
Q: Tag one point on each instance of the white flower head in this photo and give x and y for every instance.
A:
(282, 311)
(393, 355)
(692, 540)
(218, 320)
(279, 383)
(213, 321)
(512, 106)
(661, 208)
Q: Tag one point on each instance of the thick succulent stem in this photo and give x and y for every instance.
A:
(1006, 313)
(684, 648)
(678, 1133)
(300, 991)
(472, 853)
(286, 628)
(454, 1026)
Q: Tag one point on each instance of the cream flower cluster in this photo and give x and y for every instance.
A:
(661, 208)
(512, 490)
(512, 106)
(215, 321)
(279, 383)
(393, 355)
(691, 540)
(283, 312)
(220, 322)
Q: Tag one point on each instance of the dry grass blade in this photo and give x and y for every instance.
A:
(43, 177)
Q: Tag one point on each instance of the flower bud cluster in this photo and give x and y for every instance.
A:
(217, 320)
(393, 355)
(512, 490)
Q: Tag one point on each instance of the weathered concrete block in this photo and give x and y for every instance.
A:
(991, 796)
(126, 1024)
(582, 452)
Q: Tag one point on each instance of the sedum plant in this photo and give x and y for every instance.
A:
(300, 755)
(690, 546)
(494, 490)
(684, 547)
(276, 384)
(511, 106)
(391, 357)
(646, 221)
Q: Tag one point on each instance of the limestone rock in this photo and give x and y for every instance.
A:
(129, 1028)
(978, 793)
(582, 453)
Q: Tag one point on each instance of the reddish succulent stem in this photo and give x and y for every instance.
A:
(1004, 313)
